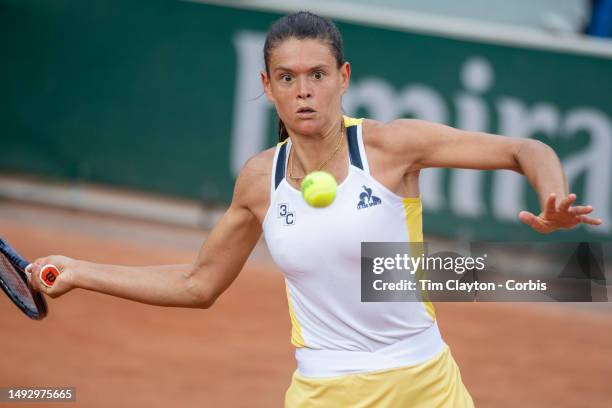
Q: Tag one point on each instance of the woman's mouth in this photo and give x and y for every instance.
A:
(305, 111)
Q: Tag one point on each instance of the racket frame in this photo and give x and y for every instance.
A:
(20, 266)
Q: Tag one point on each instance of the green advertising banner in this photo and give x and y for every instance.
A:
(165, 96)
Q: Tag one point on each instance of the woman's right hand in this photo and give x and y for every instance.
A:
(63, 283)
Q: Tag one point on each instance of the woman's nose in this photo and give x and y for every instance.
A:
(303, 89)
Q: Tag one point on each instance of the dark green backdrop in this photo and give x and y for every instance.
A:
(143, 94)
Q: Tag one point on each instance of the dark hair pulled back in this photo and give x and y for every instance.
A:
(302, 25)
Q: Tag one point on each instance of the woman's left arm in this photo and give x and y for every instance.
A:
(435, 145)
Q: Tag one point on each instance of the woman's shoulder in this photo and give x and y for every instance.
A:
(377, 132)
(398, 137)
(253, 181)
(258, 166)
(396, 143)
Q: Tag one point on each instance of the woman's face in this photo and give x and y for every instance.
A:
(305, 85)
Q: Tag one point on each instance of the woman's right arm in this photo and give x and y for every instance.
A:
(197, 285)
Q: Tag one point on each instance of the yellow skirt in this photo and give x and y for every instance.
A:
(435, 383)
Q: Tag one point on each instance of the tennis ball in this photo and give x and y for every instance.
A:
(319, 189)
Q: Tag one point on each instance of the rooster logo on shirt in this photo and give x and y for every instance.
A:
(366, 199)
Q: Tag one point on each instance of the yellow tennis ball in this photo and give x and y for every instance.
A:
(319, 188)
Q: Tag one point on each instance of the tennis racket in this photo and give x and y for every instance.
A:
(14, 276)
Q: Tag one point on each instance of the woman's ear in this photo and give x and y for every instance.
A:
(345, 76)
(265, 82)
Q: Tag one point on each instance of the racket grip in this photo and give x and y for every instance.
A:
(48, 275)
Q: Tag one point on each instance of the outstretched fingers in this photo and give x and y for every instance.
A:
(588, 220)
(565, 204)
(555, 216)
(550, 205)
(534, 222)
(581, 209)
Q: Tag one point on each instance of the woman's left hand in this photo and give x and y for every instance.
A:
(554, 217)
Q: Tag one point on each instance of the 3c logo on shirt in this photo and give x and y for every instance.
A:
(284, 213)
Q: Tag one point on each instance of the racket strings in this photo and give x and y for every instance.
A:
(12, 281)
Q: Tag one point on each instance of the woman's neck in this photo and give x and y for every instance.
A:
(317, 151)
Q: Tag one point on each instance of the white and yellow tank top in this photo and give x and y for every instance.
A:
(319, 252)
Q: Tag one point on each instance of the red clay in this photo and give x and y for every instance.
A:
(237, 354)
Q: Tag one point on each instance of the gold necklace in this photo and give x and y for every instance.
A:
(322, 164)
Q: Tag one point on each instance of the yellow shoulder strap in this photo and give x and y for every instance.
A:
(352, 121)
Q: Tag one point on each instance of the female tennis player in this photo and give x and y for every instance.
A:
(349, 353)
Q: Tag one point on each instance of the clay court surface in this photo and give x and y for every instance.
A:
(237, 354)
